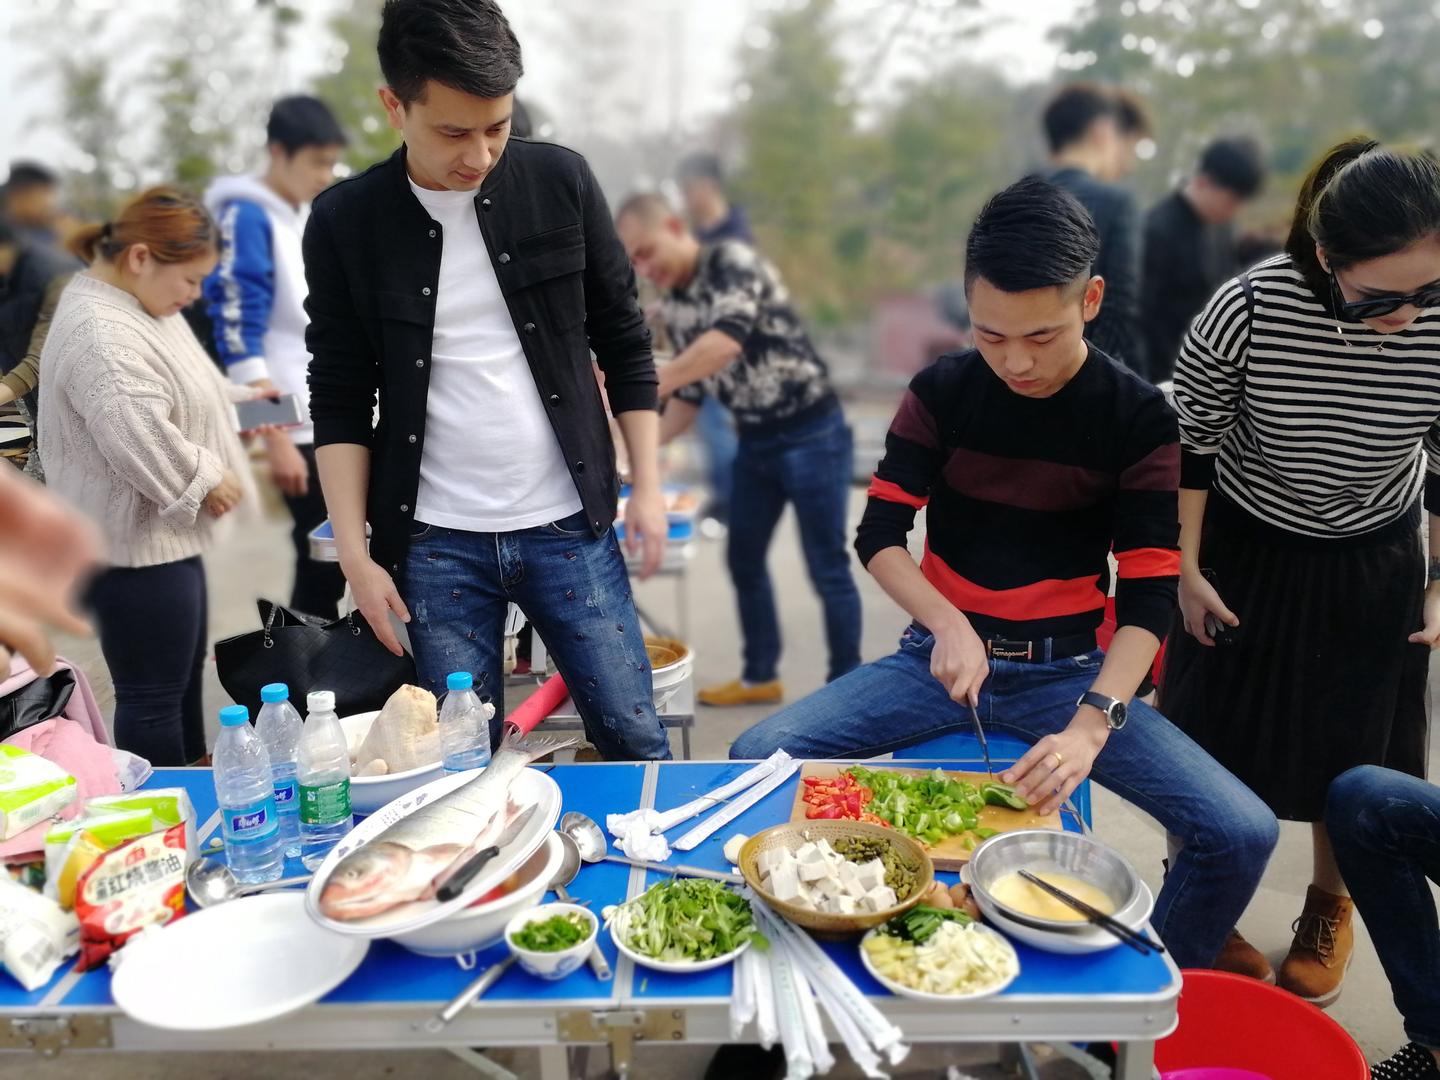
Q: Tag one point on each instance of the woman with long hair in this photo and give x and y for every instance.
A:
(138, 430)
(1309, 395)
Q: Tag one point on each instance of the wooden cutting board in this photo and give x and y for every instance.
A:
(950, 853)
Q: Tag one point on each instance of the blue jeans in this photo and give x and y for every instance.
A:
(1385, 826)
(1227, 832)
(717, 434)
(809, 466)
(574, 590)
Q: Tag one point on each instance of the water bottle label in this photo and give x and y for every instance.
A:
(286, 792)
(252, 824)
(325, 804)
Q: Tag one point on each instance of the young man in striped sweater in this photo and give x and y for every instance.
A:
(1036, 455)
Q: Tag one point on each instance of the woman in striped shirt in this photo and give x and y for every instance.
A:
(1309, 394)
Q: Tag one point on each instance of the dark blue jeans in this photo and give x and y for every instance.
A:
(1385, 827)
(1227, 832)
(809, 467)
(574, 590)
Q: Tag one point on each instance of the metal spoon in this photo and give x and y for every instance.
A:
(590, 839)
(569, 867)
(211, 881)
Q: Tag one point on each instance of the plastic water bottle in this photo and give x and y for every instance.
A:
(464, 726)
(278, 726)
(323, 775)
(244, 789)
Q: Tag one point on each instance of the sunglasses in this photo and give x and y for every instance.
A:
(1377, 307)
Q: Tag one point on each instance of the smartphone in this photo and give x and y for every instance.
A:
(283, 411)
(1220, 633)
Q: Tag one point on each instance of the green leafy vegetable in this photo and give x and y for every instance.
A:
(555, 934)
(686, 919)
(920, 923)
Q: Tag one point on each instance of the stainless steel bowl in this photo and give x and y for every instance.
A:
(1042, 850)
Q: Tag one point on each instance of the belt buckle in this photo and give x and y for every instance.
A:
(1001, 649)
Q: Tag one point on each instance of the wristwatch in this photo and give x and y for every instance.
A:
(1114, 709)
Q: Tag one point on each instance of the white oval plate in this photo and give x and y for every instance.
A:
(530, 787)
(678, 967)
(901, 990)
(233, 964)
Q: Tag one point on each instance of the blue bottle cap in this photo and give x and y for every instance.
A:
(274, 692)
(234, 716)
(460, 680)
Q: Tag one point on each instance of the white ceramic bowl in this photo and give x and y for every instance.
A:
(1091, 939)
(552, 965)
(481, 925)
(902, 990)
(668, 679)
(369, 793)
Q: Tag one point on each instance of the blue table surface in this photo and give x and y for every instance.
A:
(392, 975)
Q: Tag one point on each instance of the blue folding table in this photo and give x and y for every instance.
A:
(1117, 995)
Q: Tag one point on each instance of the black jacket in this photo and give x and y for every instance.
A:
(372, 263)
(1116, 329)
(22, 293)
(1185, 261)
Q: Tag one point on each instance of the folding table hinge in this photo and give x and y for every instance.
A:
(621, 1029)
(49, 1035)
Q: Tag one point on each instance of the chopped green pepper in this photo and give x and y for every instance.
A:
(1003, 795)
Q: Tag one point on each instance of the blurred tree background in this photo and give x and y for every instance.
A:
(863, 136)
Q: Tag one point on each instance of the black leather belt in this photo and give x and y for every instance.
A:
(1042, 651)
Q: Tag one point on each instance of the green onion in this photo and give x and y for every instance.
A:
(555, 934)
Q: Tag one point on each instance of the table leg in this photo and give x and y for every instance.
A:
(1136, 1061)
(554, 1063)
(481, 1064)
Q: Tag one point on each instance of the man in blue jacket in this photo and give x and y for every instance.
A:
(256, 299)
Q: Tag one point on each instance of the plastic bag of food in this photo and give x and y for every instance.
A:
(31, 790)
(67, 855)
(35, 935)
(168, 806)
(139, 884)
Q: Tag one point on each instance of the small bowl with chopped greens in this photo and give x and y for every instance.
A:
(939, 954)
(684, 925)
(552, 941)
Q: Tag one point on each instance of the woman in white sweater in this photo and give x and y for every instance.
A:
(139, 432)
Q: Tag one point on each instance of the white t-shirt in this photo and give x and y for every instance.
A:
(491, 462)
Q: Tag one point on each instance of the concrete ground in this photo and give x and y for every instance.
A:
(256, 562)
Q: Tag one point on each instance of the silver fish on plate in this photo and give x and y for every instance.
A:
(413, 857)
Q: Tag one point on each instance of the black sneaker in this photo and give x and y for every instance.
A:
(1412, 1062)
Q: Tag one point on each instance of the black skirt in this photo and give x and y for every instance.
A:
(1322, 677)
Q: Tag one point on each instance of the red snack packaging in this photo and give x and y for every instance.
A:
(133, 886)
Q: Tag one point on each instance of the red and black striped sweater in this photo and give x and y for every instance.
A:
(1025, 497)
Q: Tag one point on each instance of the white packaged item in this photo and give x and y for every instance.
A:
(35, 935)
(31, 790)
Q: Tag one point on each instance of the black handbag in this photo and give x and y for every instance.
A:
(307, 653)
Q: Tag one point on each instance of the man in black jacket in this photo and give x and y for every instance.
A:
(1082, 127)
(1190, 247)
(467, 280)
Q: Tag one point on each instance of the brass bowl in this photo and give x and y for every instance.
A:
(823, 923)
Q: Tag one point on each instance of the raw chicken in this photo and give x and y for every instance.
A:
(405, 736)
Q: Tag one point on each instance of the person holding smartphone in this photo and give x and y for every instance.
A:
(1309, 397)
(256, 302)
(138, 431)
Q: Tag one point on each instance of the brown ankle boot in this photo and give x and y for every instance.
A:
(1315, 968)
(1239, 957)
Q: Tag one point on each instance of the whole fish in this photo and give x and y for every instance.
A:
(412, 858)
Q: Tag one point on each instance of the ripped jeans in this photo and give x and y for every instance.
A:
(576, 593)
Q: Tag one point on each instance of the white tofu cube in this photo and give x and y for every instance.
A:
(848, 874)
(785, 883)
(881, 898)
(845, 905)
(769, 859)
(871, 874)
(826, 849)
(814, 871)
(807, 852)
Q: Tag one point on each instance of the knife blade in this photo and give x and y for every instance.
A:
(980, 737)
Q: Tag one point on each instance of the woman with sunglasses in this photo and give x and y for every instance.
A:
(1309, 393)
